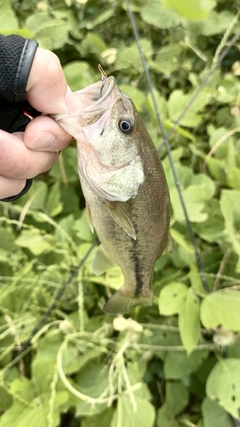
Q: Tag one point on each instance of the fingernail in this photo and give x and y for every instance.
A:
(71, 101)
(44, 141)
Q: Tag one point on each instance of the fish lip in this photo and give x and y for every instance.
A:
(110, 81)
(92, 106)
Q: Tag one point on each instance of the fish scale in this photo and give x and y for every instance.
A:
(124, 185)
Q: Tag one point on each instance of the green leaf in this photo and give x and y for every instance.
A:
(85, 409)
(54, 205)
(70, 199)
(213, 229)
(5, 399)
(176, 400)
(214, 415)
(102, 419)
(215, 23)
(233, 177)
(221, 308)
(101, 17)
(229, 204)
(82, 229)
(155, 14)
(167, 59)
(195, 197)
(78, 74)
(68, 158)
(27, 410)
(165, 418)
(93, 379)
(135, 94)
(180, 239)
(179, 364)
(178, 101)
(172, 298)
(7, 240)
(93, 43)
(128, 56)
(50, 33)
(37, 195)
(35, 241)
(8, 20)
(44, 363)
(176, 397)
(223, 385)
(234, 350)
(142, 415)
(189, 321)
(190, 9)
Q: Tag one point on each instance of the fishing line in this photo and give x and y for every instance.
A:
(167, 136)
(175, 176)
(41, 322)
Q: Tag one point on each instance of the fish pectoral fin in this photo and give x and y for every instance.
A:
(121, 302)
(89, 218)
(101, 262)
(119, 214)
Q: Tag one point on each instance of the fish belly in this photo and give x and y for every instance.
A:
(149, 213)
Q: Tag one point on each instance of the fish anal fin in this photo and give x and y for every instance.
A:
(101, 262)
(122, 302)
(89, 218)
(120, 216)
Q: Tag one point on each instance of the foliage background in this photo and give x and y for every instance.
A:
(177, 363)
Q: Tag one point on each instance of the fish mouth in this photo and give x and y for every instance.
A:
(107, 86)
(94, 101)
(100, 94)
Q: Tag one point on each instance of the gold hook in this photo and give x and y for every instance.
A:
(103, 74)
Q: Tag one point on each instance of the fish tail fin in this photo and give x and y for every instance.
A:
(121, 302)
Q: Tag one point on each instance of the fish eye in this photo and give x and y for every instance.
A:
(126, 125)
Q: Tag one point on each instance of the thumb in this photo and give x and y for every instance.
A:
(47, 89)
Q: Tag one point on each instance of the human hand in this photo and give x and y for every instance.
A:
(26, 154)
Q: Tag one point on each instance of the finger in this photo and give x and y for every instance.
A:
(18, 162)
(47, 89)
(10, 187)
(43, 134)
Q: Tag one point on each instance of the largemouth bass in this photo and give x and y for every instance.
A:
(124, 186)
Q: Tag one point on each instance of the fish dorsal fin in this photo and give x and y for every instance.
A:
(101, 262)
(89, 218)
(120, 215)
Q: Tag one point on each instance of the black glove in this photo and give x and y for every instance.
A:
(16, 55)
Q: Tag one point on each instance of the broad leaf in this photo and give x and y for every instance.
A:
(178, 364)
(191, 9)
(214, 415)
(172, 298)
(155, 14)
(141, 415)
(189, 321)
(221, 308)
(223, 385)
